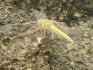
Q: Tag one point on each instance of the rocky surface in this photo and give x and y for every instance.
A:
(23, 45)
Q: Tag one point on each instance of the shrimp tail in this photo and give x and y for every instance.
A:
(58, 32)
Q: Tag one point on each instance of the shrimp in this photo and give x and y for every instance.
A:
(48, 25)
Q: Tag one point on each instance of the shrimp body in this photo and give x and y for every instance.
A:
(48, 25)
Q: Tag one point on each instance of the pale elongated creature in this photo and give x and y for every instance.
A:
(48, 25)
